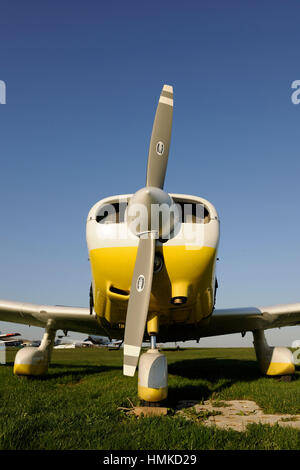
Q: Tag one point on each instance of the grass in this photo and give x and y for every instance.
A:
(77, 405)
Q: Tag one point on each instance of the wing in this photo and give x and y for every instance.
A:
(239, 320)
(222, 322)
(8, 337)
(65, 318)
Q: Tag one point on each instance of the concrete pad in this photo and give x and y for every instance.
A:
(236, 414)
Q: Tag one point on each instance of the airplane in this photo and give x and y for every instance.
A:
(153, 265)
(66, 342)
(31, 342)
(9, 339)
(104, 341)
(90, 341)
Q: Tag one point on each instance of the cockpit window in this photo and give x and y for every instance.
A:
(112, 213)
(192, 212)
(189, 212)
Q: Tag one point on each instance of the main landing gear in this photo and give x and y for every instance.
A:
(35, 361)
(273, 361)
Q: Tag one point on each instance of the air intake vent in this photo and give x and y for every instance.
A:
(115, 290)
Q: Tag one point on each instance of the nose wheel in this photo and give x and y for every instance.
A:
(153, 375)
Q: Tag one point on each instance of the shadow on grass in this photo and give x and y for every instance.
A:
(214, 376)
(179, 348)
(187, 396)
(74, 372)
(213, 369)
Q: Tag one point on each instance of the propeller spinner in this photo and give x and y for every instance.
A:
(152, 194)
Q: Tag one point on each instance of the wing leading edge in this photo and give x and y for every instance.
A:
(239, 320)
(65, 318)
(222, 322)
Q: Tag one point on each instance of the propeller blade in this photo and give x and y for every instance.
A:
(138, 304)
(160, 139)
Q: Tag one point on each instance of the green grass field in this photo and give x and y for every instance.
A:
(76, 406)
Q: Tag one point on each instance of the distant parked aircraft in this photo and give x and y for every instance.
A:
(66, 342)
(104, 341)
(9, 340)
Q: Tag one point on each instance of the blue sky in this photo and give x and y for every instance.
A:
(83, 79)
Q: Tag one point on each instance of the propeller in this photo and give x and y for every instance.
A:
(160, 139)
(141, 284)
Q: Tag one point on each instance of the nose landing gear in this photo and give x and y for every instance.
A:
(153, 375)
